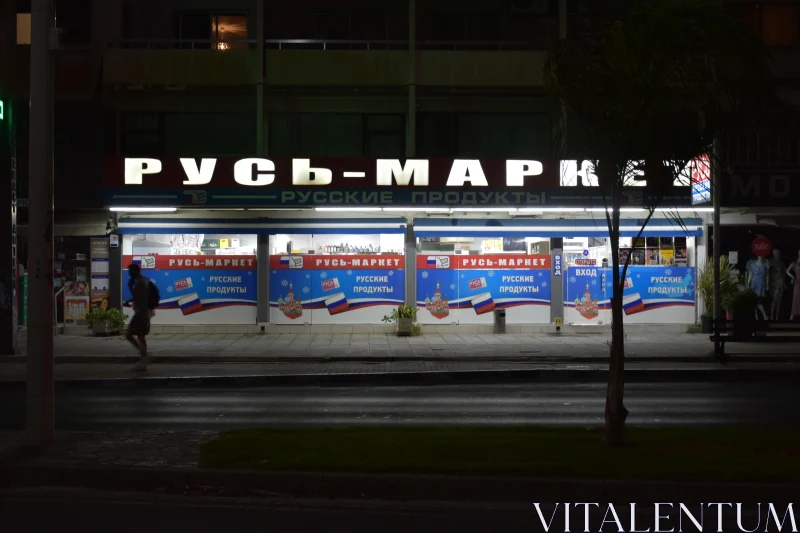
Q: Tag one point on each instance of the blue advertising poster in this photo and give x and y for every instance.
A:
(651, 293)
(200, 289)
(462, 289)
(319, 289)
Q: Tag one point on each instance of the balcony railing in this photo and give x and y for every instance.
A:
(327, 44)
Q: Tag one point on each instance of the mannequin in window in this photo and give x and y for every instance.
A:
(758, 281)
(777, 283)
(793, 272)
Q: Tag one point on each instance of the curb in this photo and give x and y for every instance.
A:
(456, 358)
(394, 487)
(704, 375)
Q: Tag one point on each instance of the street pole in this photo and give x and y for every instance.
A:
(716, 193)
(39, 397)
(411, 109)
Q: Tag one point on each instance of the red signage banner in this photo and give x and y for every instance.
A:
(191, 262)
(337, 262)
(482, 262)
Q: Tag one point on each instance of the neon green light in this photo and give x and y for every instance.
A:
(1, 110)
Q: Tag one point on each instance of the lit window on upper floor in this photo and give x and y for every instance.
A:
(229, 31)
(23, 28)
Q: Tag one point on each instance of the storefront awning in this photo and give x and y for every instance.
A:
(317, 226)
(657, 227)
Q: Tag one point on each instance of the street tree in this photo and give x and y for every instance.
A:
(644, 98)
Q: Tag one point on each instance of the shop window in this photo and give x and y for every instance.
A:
(202, 279)
(776, 23)
(335, 278)
(462, 280)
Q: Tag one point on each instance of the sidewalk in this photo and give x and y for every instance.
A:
(292, 359)
(93, 375)
(311, 348)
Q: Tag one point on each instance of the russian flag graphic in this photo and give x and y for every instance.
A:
(137, 260)
(431, 261)
(285, 261)
(337, 303)
(483, 303)
(190, 304)
(632, 304)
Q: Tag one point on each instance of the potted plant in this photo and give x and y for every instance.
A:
(705, 288)
(105, 322)
(740, 307)
(403, 317)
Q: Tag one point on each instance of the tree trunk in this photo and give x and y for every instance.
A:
(615, 413)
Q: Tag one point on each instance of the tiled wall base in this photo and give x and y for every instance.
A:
(383, 329)
(471, 328)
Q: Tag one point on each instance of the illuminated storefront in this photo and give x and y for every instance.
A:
(342, 241)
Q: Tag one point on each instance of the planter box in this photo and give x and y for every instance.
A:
(706, 324)
(405, 327)
(104, 329)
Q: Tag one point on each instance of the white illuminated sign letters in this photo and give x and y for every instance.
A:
(136, 167)
(304, 174)
(416, 169)
(467, 170)
(243, 172)
(517, 171)
(259, 172)
(572, 170)
(195, 175)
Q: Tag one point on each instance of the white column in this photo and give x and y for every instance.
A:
(39, 397)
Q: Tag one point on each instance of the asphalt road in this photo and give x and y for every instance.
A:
(656, 404)
(49, 509)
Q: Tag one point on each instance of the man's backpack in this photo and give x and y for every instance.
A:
(153, 297)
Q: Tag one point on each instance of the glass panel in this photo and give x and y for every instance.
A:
(463, 279)
(335, 278)
(201, 279)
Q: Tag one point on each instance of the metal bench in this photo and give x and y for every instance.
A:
(761, 334)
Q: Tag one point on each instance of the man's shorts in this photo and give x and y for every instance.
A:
(139, 325)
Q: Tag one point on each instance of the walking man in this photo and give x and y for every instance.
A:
(139, 326)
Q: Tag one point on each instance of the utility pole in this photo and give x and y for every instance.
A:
(39, 390)
(716, 194)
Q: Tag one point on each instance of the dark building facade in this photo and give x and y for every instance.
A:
(347, 84)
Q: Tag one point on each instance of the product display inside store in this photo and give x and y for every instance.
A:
(189, 244)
